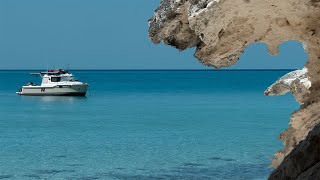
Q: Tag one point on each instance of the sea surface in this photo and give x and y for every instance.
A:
(144, 125)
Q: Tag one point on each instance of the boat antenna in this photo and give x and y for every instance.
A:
(47, 59)
(47, 62)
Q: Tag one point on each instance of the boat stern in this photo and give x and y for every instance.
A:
(19, 91)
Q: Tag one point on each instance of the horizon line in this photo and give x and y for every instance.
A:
(155, 69)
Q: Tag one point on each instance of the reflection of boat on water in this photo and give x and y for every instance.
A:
(55, 83)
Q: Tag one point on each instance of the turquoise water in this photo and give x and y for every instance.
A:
(144, 125)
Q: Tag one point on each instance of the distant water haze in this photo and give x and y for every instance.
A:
(105, 35)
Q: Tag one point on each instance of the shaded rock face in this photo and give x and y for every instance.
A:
(304, 160)
(220, 30)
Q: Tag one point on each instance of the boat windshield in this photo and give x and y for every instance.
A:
(67, 78)
(55, 79)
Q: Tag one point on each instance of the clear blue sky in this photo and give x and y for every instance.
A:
(103, 34)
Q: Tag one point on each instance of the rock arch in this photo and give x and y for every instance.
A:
(221, 30)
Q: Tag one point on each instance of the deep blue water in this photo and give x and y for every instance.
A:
(144, 125)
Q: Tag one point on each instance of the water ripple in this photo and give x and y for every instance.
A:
(54, 171)
(6, 176)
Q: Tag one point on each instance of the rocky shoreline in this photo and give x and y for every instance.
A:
(220, 30)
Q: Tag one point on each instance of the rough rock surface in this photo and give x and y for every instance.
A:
(296, 82)
(304, 160)
(220, 30)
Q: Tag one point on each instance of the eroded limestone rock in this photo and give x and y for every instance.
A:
(296, 82)
(303, 162)
(220, 30)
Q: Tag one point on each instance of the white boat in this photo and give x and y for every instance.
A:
(55, 83)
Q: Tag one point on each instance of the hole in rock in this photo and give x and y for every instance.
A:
(256, 56)
(292, 56)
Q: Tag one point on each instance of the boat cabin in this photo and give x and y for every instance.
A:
(55, 76)
(47, 79)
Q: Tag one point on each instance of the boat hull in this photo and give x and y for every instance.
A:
(69, 90)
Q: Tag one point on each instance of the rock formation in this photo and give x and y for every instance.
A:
(220, 30)
(304, 160)
(296, 82)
